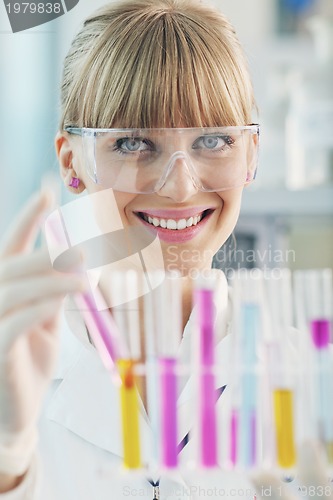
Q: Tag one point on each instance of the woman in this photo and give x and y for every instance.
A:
(170, 66)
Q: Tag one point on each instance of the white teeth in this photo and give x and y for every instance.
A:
(189, 222)
(171, 223)
(181, 224)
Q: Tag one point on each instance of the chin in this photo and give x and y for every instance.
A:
(188, 260)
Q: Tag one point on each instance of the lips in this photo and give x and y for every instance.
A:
(176, 226)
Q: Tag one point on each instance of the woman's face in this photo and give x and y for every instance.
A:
(191, 224)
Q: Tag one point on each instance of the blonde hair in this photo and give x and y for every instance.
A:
(156, 63)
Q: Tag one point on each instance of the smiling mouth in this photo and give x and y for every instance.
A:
(174, 224)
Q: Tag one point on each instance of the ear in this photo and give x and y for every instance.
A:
(252, 157)
(68, 161)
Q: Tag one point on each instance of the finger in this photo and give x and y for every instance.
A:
(38, 262)
(21, 266)
(269, 485)
(23, 231)
(52, 324)
(19, 294)
(26, 320)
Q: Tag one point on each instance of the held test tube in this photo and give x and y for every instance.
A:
(100, 323)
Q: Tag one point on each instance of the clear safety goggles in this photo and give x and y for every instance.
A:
(141, 160)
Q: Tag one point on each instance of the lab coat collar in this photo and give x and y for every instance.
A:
(88, 405)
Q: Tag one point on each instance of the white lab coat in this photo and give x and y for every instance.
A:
(80, 448)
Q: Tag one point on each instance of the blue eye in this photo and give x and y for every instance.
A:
(133, 145)
(210, 142)
(213, 142)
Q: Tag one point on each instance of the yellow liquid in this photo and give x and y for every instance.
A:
(129, 414)
(283, 412)
(329, 452)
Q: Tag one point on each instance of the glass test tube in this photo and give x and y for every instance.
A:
(284, 427)
(152, 375)
(248, 422)
(205, 317)
(314, 289)
(125, 285)
(244, 413)
(168, 308)
(279, 302)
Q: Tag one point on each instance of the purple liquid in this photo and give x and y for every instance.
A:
(320, 333)
(168, 380)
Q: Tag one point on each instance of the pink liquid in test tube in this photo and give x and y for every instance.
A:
(168, 387)
(320, 331)
(207, 410)
(233, 437)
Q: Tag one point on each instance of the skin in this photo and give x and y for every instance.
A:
(8, 483)
(31, 299)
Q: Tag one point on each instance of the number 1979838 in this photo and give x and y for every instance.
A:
(33, 8)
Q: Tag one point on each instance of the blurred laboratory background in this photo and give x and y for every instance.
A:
(287, 213)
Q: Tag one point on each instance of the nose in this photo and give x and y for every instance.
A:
(179, 184)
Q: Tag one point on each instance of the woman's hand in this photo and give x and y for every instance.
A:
(312, 478)
(31, 294)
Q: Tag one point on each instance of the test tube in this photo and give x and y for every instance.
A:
(284, 427)
(127, 319)
(278, 295)
(205, 317)
(314, 289)
(244, 414)
(100, 323)
(151, 323)
(168, 307)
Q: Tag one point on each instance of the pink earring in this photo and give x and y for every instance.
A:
(75, 182)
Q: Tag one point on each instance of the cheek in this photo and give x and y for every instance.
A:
(231, 204)
(123, 201)
(109, 207)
